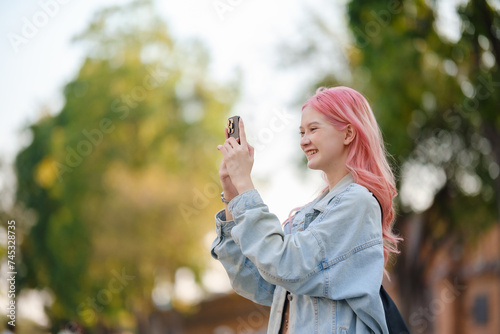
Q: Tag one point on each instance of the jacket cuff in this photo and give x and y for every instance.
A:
(242, 202)
(223, 227)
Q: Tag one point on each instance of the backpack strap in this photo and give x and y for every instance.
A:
(393, 318)
(395, 322)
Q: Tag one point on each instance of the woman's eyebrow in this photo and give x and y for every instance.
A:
(309, 124)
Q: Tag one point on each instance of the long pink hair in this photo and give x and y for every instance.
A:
(366, 159)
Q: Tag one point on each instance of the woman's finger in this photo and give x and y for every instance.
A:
(243, 136)
(232, 142)
(223, 169)
(222, 150)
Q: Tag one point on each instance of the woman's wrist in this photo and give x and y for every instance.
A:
(227, 197)
(229, 216)
(244, 185)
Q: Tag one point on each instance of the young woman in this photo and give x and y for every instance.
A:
(322, 271)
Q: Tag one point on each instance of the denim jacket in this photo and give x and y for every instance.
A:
(329, 257)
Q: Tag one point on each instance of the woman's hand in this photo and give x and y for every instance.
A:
(228, 187)
(238, 161)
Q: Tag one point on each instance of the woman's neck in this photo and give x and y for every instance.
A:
(334, 177)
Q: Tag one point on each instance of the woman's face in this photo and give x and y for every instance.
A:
(325, 147)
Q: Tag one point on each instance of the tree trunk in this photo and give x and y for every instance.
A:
(493, 135)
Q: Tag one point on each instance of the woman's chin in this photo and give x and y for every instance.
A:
(311, 165)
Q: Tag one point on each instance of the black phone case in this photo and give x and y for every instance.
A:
(233, 128)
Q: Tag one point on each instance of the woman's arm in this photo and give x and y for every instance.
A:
(229, 216)
(339, 256)
(243, 275)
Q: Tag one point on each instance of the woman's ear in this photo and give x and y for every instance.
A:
(350, 134)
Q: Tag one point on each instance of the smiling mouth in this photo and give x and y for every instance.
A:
(311, 152)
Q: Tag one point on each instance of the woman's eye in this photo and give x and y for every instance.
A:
(312, 129)
(301, 133)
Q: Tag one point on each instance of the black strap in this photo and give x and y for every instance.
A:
(395, 322)
(393, 318)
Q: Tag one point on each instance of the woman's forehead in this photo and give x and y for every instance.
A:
(311, 115)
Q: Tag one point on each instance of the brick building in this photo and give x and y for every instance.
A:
(462, 293)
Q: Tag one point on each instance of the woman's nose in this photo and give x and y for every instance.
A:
(304, 140)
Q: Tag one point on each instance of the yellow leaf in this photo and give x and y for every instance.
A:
(46, 172)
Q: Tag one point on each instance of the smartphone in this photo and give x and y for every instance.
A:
(233, 127)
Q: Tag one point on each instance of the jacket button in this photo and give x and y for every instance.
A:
(290, 297)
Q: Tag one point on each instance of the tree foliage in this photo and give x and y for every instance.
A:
(123, 178)
(436, 99)
(436, 96)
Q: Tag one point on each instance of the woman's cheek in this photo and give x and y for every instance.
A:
(314, 137)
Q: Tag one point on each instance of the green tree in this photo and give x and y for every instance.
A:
(123, 178)
(437, 101)
(444, 96)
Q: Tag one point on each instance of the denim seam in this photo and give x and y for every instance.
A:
(323, 259)
(335, 202)
(334, 316)
(226, 227)
(248, 199)
(256, 274)
(316, 314)
(353, 251)
(318, 269)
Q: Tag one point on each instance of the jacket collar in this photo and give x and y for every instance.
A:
(327, 196)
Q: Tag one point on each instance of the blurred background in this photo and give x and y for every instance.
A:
(112, 111)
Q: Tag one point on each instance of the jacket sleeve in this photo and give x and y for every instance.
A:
(243, 275)
(339, 255)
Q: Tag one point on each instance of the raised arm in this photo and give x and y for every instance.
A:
(339, 256)
(243, 275)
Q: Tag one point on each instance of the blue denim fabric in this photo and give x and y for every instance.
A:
(329, 257)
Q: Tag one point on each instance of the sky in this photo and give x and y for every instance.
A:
(39, 59)
(239, 34)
